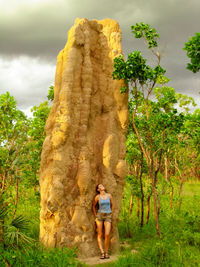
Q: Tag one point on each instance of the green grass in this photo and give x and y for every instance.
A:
(40, 257)
(35, 255)
(179, 244)
(29, 205)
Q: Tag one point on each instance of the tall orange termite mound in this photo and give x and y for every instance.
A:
(85, 138)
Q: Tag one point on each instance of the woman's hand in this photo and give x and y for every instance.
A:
(111, 203)
(94, 205)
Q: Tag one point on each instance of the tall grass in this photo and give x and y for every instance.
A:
(39, 257)
(179, 244)
(34, 255)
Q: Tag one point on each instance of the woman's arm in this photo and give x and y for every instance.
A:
(94, 205)
(111, 203)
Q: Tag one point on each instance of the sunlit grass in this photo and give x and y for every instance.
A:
(179, 244)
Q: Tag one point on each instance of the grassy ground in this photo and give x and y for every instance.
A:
(179, 244)
(33, 254)
(29, 205)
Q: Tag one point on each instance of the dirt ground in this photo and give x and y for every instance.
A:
(93, 261)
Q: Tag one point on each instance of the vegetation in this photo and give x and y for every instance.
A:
(193, 52)
(180, 228)
(155, 124)
(159, 222)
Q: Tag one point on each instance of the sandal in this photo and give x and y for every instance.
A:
(102, 256)
(106, 256)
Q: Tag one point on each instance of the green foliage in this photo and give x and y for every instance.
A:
(149, 34)
(156, 126)
(185, 101)
(133, 152)
(36, 129)
(179, 244)
(11, 120)
(152, 119)
(51, 93)
(166, 97)
(193, 52)
(23, 230)
(13, 137)
(12, 229)
(163, 122)
(192, 129)
(20, 222)
(135, 70)
(40, 115)
(36, 135)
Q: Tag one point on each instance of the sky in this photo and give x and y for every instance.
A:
(32, 32)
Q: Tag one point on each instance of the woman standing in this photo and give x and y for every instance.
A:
(103, 218)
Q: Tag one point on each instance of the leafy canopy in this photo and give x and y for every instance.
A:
(193, 52)
(135, 69)
(149, 34)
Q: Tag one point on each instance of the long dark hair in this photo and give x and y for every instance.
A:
(97, 187)
(97, 205)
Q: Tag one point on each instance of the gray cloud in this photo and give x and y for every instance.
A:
(41, 28)
(38, 29)
(27, 79)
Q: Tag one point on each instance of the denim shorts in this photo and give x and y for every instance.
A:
(104, 217)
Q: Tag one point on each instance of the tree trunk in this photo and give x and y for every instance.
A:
(156, 211)
(131, 202)
(166, 169)
(148, 208)
(153, 179)
(142, 194)
(138, 206)
(158, 198)
(172, 193)
(3, 182)
(179, 193)
(142, 211)
(35, 184)
(181, 184)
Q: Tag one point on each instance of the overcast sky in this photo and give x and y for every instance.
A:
(32, 32)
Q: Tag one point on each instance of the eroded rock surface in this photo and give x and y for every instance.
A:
(85, 138)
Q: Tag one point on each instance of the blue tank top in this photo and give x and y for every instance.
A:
(104, 205)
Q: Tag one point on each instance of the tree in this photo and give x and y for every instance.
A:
(36, 135)
(191, 131)
(13, 152)
(193, 52)
(153, 122)
(13, 136)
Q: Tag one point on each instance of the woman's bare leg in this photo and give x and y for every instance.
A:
(100, 235)
(107, 226)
